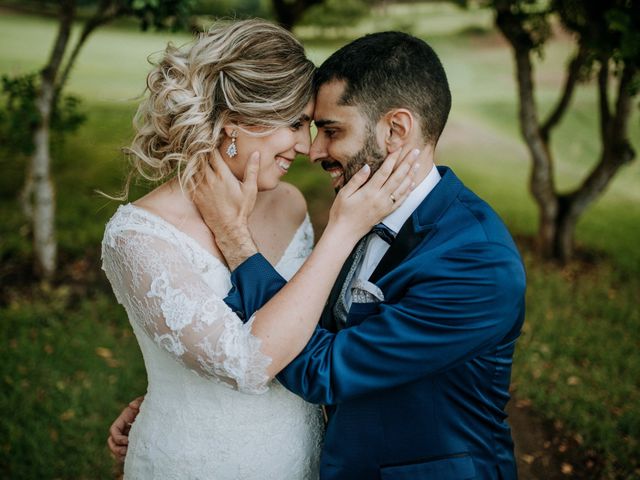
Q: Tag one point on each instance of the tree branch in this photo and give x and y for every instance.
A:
(106, 12)
(603, 99)
(573, 75)
(617, 150)
(623, 103)
(67, 14)
(541, 177)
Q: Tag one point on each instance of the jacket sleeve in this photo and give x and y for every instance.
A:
(254, 283)
(456, 306)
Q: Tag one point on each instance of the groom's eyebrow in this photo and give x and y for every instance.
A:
(324, 123)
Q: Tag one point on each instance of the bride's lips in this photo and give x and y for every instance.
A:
(335, 171)
(283, 163)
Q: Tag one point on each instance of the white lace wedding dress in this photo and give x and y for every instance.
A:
(209, 412)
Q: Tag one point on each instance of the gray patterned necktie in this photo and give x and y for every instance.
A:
(340, 310)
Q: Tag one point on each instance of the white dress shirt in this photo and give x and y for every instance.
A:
(376, 247)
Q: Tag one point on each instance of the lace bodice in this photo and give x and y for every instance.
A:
(195, 348)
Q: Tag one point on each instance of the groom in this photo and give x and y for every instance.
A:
(414, 349)
(413, 353)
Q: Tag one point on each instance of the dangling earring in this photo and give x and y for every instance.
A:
(232, 149)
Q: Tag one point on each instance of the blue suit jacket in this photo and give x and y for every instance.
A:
(417, 385)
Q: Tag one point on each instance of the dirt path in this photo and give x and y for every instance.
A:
(542, 453)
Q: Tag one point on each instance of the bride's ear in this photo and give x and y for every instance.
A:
(229, 129)
(399, 124)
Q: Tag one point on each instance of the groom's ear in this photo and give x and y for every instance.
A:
(398, 125)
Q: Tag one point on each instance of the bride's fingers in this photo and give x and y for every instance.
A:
(250, 181)
(401, 173)
(402, 192)
(356, 181)
(380, 177)
(408, 155)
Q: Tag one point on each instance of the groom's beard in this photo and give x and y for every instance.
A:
(370, 153)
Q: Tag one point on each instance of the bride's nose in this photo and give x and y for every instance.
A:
(303, 142)
(302, 148)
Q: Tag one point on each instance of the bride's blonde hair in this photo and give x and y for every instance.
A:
(249, 72)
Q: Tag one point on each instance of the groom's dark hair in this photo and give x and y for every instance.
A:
(390, 70)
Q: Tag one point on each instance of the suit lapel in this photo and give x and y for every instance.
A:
(406, 240)
(420, 223)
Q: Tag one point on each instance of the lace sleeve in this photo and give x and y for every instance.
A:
(179, 311)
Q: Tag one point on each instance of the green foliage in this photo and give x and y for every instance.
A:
(160, 14)
(533, 16)
(19, 114)
(608, 29)
(335, 13)
(231, 8)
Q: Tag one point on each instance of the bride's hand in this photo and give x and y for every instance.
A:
(360, 205)
(223, 201)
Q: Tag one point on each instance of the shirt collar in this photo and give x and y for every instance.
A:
(396, 219)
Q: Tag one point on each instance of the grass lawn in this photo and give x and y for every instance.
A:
(69, 361)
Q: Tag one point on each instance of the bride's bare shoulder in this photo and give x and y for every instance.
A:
(169, 202)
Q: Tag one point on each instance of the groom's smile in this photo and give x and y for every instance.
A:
(335, 171)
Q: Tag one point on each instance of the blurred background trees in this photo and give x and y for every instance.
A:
(35, 101)
(606, 36)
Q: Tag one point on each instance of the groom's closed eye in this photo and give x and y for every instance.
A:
(328, 133)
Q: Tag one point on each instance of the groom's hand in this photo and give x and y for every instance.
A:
(225, 204)
(119, 431)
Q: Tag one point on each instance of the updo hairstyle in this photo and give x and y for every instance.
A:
(250, 72)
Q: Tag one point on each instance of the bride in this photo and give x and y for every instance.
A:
(241, 93)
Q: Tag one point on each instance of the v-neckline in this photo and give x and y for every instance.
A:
(194, 243)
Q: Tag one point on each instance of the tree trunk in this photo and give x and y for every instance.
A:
(44, 238)
(26, 195)
(541, 182)
(565, 227)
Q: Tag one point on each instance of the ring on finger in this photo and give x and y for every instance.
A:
(393, 199)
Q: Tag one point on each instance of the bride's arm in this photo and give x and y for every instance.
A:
(286, 322)
(169, 301)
